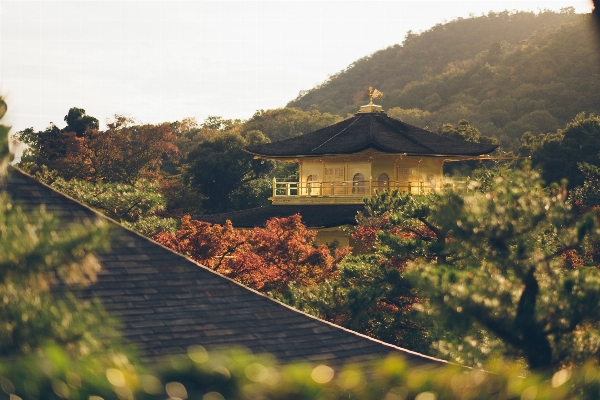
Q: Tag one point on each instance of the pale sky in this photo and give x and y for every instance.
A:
(162, 61)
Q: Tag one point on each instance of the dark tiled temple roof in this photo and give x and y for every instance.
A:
(370, 131)
(166, 302)
(313, 216)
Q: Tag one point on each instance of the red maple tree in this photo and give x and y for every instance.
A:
(265, 259)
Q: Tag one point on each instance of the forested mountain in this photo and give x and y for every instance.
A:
(506, 73)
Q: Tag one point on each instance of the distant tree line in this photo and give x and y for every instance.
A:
(168, 169)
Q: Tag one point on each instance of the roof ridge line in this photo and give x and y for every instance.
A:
(352, 123)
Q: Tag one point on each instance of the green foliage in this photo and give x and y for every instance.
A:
(136, 206)
(41, 260)
(78, 122)
(284, 123)
(237, 374)
(52, 373)
(485, 177)
(48, 145)
(412, 116)
(587, 195)
(226, 175)
(151, 225)
(520, 281)
(465, 131)
(118, 201)
(181, 198)
(368, 296)
(407, 226)
(505, 269)
(190, 134)
(507, 73)
(219, 123)
(33, 258)
(111, 170)
(558, 154)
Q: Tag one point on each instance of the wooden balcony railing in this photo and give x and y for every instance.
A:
(359, 188)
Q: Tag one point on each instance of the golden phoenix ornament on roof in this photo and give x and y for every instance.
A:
(373, 94)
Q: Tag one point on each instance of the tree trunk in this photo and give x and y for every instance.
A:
(536, 346)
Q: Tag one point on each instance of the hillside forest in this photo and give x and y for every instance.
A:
(506, 73)
(503, 276)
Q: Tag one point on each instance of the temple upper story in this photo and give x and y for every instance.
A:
(360, 156)
(347, 180)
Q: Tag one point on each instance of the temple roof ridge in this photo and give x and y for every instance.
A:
(370, 130)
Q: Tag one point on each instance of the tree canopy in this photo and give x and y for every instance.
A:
(266, 259)
(78, 122)
(558, 154)
(284, 123)
(124, 152)
(227, 175)
(511, 269)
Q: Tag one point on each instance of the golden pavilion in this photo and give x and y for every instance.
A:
(343, 163)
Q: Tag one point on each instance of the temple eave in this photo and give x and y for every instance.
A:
(454, 157)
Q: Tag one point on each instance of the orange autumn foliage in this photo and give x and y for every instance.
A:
(265, 259)
(127, 152)
(123, 153)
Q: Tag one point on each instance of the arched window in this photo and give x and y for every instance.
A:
(358, 183)
(383, 183)
(311, 186)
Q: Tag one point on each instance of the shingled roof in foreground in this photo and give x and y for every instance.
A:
(371, 131)
(167, 303)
